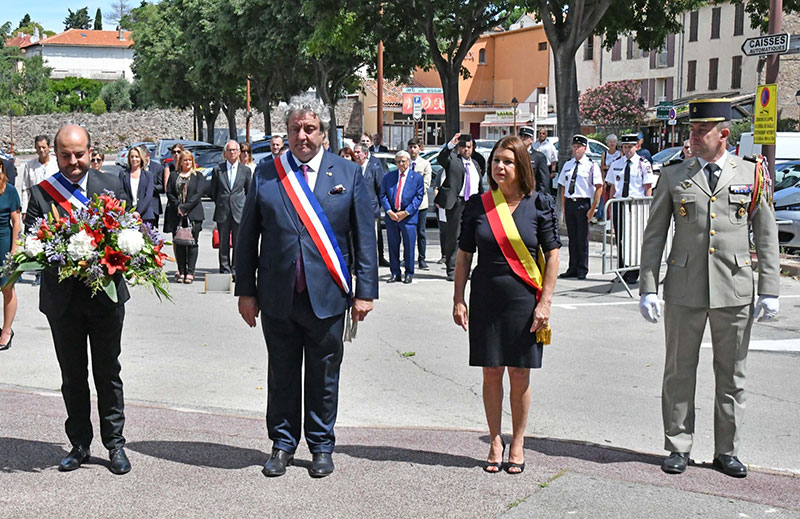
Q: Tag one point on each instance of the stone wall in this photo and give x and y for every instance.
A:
(789, 75)
(115, 130)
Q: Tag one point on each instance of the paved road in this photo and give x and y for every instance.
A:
(411, 426)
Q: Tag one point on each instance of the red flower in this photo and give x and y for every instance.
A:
(114, 260)
(110, 221)
(97, 235)
(159, 257)
(110, 204)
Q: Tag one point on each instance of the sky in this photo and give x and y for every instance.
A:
(50, 13)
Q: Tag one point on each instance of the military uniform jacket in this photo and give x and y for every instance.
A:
(709, 265)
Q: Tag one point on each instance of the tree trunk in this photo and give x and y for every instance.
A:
(266, 107)
(326, 92)
(566, 98)
(264, 95)
(452, 105)
(210, 113)
(198, 122)
(230, 115)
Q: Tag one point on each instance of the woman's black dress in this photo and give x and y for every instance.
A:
(501, 304)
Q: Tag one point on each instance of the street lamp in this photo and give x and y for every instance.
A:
(514, 103)
(797, 99)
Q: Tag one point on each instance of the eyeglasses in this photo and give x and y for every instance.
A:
(175, 152)
(97, 160)
(231, 149)
(245, 151)
(686, 147)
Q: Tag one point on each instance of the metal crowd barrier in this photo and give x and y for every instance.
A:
(629, 215)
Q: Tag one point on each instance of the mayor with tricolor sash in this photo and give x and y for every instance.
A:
(307, 225)
(513, 227)
(75, 314)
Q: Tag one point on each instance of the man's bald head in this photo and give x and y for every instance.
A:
(73, 151)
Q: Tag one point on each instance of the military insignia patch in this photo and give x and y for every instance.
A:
(741, 189)
(686, 184)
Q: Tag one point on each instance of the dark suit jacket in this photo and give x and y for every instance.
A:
(11, 170)
(229, 200)
(145, 203)
(271, 237)
(158, 183)
(378, 149)
(540, 171)
(453, 182)
(55, 297)
(413, 191)
(373, 176)
(192, 207)
(268, 158)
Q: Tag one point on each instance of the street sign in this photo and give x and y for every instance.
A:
(541, 107)
(765, 117)
(417, 108)
(673, 114)
(663, 110)
(764, 45)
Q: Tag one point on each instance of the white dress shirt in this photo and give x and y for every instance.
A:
(232, 169)
(313, 167)
(33, 172)
(588, 177)
(720, 164)
(641, 175)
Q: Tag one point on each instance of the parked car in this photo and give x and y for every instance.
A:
(164, 155)
(664, 156)
(787, 208)
(207, 158)
(787, 174)
(595, 151)
(787, 146)
(122, 156)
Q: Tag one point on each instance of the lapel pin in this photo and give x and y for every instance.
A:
(329, 174)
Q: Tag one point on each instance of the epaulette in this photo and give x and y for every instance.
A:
(672, 162)
(751, 158)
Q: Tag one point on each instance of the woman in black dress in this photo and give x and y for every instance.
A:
(185, 188)
(504, 314)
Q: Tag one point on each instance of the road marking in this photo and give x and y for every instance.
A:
(189, 410)
(769, 345)
(575, 306)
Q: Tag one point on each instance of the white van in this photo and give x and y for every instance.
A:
(787, 146)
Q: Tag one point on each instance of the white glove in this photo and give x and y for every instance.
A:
(650, 307)
(770, 307)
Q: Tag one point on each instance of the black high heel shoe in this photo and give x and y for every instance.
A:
(499, 464)
(8, 344)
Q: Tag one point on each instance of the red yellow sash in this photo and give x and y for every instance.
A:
(514, 249)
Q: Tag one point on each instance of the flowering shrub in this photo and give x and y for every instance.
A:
(93, 244)
(613, 103)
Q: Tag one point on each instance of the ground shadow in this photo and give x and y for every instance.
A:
(587, 451)
(399, 454)
(201, 454)
(20, 455)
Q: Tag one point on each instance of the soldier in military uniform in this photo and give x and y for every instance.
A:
(714, 198)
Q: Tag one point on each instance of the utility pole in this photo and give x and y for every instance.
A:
(773, 66)
(247, 114)
(379, 129)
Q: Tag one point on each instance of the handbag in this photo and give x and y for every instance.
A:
(183, 235)
(215, 239)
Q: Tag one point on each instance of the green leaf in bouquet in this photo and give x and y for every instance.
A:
(29, 266)
(12, 279)
(110, 289)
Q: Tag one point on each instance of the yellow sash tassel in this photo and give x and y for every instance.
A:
(543, 336)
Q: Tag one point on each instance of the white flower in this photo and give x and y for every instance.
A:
(80, 245)
(33, 246)
(130, 241)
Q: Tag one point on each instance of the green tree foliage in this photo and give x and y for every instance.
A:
(117, 95)
(25, 20)
(33, 87)
(451, 28)
(98, 20)
(98, 107)
(78, 19)
(75, 94)
(613, 103)
(31, 28)
(759, 12)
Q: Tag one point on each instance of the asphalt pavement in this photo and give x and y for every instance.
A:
(411, 434)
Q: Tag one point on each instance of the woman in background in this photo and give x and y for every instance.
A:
(139, 185)
(185, 188)
(10, 224)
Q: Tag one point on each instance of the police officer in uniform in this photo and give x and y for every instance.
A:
(541, 170)
(709, 278)
(631, 175)
(582, 186)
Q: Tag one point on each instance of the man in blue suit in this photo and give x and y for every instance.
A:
(302, 302)
(401, 194)
(373, 173)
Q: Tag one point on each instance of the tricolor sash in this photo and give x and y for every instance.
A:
(514, 249)
(313, 217)
(64, 192)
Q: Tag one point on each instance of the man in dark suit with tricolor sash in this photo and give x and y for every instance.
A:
(307, 223)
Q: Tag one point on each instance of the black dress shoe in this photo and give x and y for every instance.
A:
(74, 459)
(276, 466)
(451, 277)
(581, 276)
(321, 465)
(441, 261)
(383, 263)
(119, 461)
(675, 463)
(394, 279)
(423, 265)
(730, 466)
(568, 274)
(407, 279)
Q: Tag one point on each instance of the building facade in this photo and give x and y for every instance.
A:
(103, 55)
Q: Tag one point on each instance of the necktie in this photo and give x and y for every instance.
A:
(413, 164)
(466, 181)
(231, 174)
(399, 191)
(626, 185)
(571, 189)
(300, 271)
(712, 169)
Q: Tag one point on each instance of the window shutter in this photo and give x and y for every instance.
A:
(652, 85)
(616, 51)
(652, 59)
(630, 48)
(671, 50)
(669, 87)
